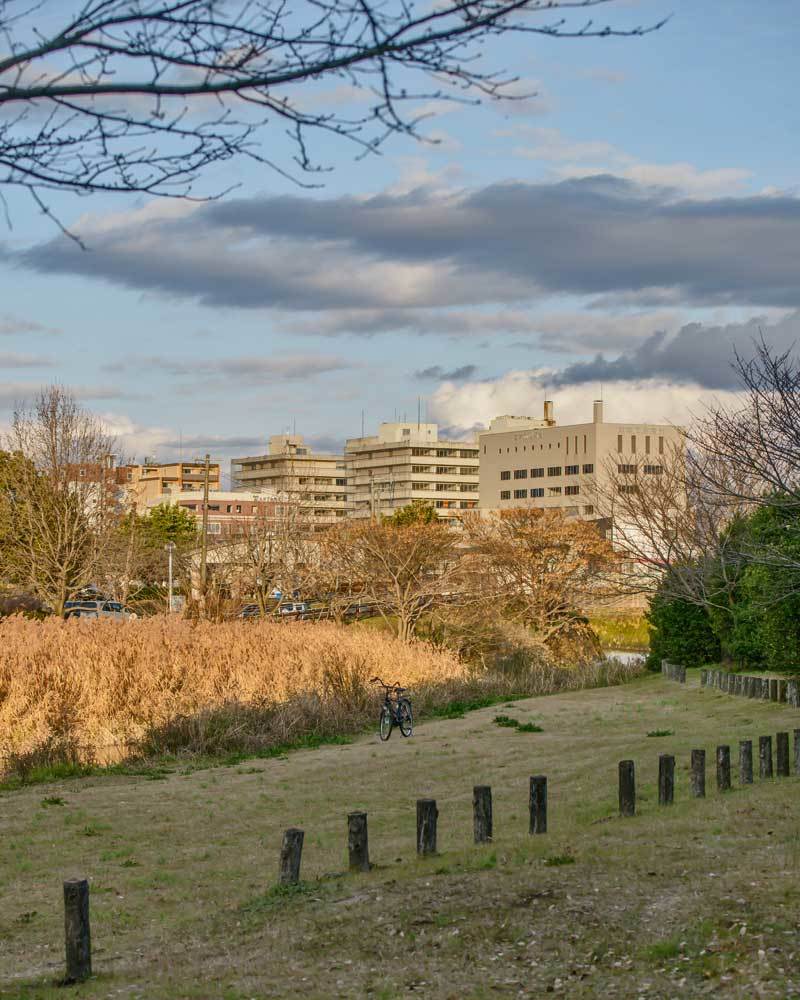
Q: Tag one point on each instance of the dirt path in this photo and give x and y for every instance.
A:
(695, 899)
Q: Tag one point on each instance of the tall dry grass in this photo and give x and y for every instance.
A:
(99, 691)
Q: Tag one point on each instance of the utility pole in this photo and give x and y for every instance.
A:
(204, 539)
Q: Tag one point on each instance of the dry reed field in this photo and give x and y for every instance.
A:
(97, 691)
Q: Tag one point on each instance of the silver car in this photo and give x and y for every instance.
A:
(99, 609)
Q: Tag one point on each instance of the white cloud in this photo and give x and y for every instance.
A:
(523, 393)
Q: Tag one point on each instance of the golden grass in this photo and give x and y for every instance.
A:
(100, 691)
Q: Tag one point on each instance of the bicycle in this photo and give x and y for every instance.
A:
(395, 711)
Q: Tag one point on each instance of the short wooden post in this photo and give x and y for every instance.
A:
(627, 788)
(666, 779)
(697, 774)
(765, 756)
(537, 804)
(703, 677)
(745, 762)
(793, 693)
(482, 813)
(797, 751)
(782, 755)
(723, 768)
(751, 687)
(291, 853)
(427, 815)
(773, 689)
(765, 688)
(76, 930)
(358, 842)
(782, 691)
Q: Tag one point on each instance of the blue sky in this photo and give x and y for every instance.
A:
(623, 227)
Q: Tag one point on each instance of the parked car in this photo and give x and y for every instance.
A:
(249, 611)
(99, 609)
(293, 608)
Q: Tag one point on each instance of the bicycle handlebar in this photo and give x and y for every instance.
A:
(389, 687)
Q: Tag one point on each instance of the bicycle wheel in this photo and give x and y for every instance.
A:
(406, 717)
(385, 724)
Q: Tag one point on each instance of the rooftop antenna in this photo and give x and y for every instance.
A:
(362, 423)
(419, 409)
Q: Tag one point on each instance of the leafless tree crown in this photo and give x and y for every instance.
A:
(141, 95)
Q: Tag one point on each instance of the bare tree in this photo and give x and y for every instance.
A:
(63, 504)
(405, 570)
(538, 568)
(142, 95)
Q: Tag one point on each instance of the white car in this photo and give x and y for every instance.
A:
(99, 609)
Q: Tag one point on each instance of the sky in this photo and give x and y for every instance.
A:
(619, 231)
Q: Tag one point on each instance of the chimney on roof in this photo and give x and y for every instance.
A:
(548, 411)
(597, 416)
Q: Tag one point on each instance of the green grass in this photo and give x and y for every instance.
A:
(661, 732)
(529, 727)
(506, 722)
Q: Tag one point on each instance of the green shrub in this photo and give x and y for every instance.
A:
(680, 632)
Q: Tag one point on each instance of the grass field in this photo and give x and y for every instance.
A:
(701, 898)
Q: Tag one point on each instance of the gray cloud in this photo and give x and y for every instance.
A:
(244, 370)
(596, 236)
(21, 394)
(698, 353)
(440, 374)
(12, 325)
(11, 360)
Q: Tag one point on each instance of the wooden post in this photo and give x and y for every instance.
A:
(627, 788)
(782, 755)
(765, 688)
(773, 689)
(797, 751)
(427, 815)
(666, 779)
(482, 814)
(358, 842)
(782, 691)
(793, 693)
(697, 774)
(76, 930)
(291, 853)
(703, 676)
(723, 768)
(765, 756)
(745, 762)
(751, 687)
(537, 804)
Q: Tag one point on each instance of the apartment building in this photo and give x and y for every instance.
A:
(404, 462)
(151, 483)
(316, 480)
(544, 465)
(229, 512)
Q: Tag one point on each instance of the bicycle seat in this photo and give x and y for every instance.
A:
(400, 690)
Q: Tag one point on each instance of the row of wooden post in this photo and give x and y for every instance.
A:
(748, 686)
(697, 770)
(76, 891)
(673, 671)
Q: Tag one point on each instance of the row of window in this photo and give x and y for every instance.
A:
(553, 470)
(443, 452)
(444, 487)
(445, 470)
(553, 491)
(649, 470)
(646, 444)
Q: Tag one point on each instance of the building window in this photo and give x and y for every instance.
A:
(572, 491)
(415, 451)
(572, 470)
(505, 494)
(588, 509)
(420, 486)
(588, 469)
(468, 470)
(661, 446)
(584, 444)
(653, 470)
(470, 452)
(238, 508)
(619, 443)
(629, 489)
(647, 444)
(538, 491)
(626, 470)
(520, 494)
(341, 482)
(554, 470)
(633, 444)
(520, 473)
(444, 452)
(554, 491)
(442, 470)
(214, 528)
(406, 432)
(506, 474)
(415, 468)
(537, 473)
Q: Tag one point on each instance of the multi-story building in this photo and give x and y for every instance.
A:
(229, 512)
(315, 480)
(543, 465)
(407, 462)
(151, 483)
